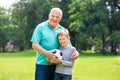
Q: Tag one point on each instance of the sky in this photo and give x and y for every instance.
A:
(7, 3)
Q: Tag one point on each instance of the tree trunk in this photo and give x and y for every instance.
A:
(113, 48)
(3, 48)
(103, 45)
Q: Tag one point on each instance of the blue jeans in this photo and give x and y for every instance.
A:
(44, 72)
(59, 76)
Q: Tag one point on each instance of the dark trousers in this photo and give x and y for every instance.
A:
(44, 72)
(59, 76)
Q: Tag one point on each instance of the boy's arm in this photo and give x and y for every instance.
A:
(75, 55)
(68, 63)
(63, 62)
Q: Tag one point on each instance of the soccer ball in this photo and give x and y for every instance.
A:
(57, 53)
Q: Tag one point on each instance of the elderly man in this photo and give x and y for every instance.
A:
(44, 39)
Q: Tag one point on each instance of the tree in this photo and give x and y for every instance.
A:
(81, 21)
(4, 21)
(114, 22)
(64, 5)
(91, 17)
(27, 14)
(36, 12)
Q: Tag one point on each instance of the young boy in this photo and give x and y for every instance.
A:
(64, 70)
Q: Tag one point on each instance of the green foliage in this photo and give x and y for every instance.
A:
(4, 24)
(3, 38)
(89, 21)
(64, 5)
(115, 37)
(28, 14)
(91, 18)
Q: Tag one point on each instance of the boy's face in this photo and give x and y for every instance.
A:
(63, 40)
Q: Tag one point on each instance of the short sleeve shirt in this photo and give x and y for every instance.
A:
(45, 36)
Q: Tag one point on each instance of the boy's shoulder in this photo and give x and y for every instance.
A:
(72, 47)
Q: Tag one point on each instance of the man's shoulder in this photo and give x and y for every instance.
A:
(42, 24)
(59, 26)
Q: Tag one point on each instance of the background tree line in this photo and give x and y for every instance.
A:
(90, 22)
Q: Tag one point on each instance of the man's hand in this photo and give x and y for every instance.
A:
(75, 55)
(49, 56)
(57, 61)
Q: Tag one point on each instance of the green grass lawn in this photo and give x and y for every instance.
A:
(21, 66)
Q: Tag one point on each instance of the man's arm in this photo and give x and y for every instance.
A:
(39, 48)
(75, 55)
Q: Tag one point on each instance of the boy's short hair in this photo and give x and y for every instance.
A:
(64, 32)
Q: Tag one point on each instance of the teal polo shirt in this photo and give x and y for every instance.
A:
(45, 36)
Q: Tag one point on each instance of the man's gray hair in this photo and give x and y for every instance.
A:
(57, 9)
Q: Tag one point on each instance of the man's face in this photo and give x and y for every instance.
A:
(54, 18)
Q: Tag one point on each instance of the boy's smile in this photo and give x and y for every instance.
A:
(63, 40)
